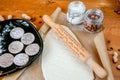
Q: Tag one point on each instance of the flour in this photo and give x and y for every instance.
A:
(59, 63)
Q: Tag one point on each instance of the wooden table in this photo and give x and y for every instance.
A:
(36, 9)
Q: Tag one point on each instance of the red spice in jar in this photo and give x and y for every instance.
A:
(91, 27)
(93, 20)
(93, 16)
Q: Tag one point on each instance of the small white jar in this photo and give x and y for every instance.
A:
(75, 14)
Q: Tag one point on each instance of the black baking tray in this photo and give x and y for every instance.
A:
(28, 27)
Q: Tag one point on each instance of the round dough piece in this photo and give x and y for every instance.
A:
(6, 60)
(15, 47)
(32, 49)
(17, 33)
(21, 59)
(60, 63)
(27, 38)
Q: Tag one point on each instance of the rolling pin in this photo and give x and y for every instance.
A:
(102, 51)
(75, 46)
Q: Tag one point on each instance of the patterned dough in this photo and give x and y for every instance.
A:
(32, 49)
(15, 47)
(17, 33)
(6, 60)
(27, 38)
(21, 59)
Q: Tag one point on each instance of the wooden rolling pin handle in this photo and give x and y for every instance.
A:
(96, 68)
(100, 72)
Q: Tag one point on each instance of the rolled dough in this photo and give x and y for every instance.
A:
(60, 63)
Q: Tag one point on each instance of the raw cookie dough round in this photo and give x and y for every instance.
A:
(16, 33)
(6, 60)
(60, 63)
(21, 59)
(32, 49)
(15, 47)
(27, 38)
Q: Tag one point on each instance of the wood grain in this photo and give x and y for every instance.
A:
(37, 8)
(102, 51)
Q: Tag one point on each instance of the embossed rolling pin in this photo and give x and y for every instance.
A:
(75, 46)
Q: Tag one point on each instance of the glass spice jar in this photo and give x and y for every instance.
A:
(75, 14)
(93, 20)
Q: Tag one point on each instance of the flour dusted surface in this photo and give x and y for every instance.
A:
(59, 63)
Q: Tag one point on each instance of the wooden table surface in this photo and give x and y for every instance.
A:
(36, 9)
